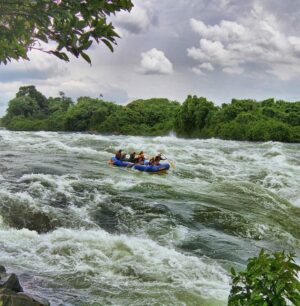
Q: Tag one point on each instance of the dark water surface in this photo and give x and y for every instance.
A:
(80, 232)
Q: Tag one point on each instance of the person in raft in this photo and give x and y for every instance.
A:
(132, 157)
(140, 158)
(120, 155)
(155, 161)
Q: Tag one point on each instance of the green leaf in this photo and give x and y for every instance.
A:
(87, 45)
(108, 44)
(60, 55)
(233, 273)
(86, 57)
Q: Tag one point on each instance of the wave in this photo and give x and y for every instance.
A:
(121, 266)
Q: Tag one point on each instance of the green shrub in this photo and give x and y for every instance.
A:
(27, 124)
(269, 280)
(193, 116)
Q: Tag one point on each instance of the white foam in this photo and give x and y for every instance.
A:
(75, 251)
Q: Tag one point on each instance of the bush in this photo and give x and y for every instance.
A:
(27, 124)
(269, 280)
(193, 116)
(264, 130)
(142, 117)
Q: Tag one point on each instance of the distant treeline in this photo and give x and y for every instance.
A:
(250, 120)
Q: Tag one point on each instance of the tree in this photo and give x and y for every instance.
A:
(193, 116)
(70, 25)
(22, 106)
(87, 113)
(30, 91)
(142, 117)
(269, 280)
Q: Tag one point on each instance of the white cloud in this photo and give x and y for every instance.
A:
(207, 66)
(139, 20)
(233, 70)
(256, 39)
(213, 52)
(284, 72)
(88, 86)
(155, 62)
(295, 43)
(226, 31)
(44, 67)
(198, 71)
(7, 92)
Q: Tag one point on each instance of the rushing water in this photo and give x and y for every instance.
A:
(80, 232)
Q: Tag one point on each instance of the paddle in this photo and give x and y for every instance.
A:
(170, 161)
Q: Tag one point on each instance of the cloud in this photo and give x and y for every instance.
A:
(207, 66)
(253, 39)
(29, 74)
(198, 71)
(213, 52)
(73, 87)
(233, 70)
(7, 92)
(225, 31)
(42, 68)
(94, 87)
(155, 62)
(295, 43)
(139, 20)
(284, 72)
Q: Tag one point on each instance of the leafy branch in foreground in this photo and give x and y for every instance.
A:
(269, 280)
(70, 25)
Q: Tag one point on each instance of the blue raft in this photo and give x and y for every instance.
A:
(146, 167)
(120, 163)
(151, 168)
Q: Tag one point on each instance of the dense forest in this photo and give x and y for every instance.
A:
(196, 117)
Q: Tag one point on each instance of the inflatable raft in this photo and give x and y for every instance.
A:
(151, 168)
(146, 167)
(120, 163)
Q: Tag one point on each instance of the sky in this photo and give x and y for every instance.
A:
(218, 49)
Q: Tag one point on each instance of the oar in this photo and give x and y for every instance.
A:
(170, 161)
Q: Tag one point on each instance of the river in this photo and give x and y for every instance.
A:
(80, 232)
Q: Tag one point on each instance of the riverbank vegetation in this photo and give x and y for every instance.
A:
(196, 117)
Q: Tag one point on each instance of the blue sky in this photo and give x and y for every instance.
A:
(220, 49)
